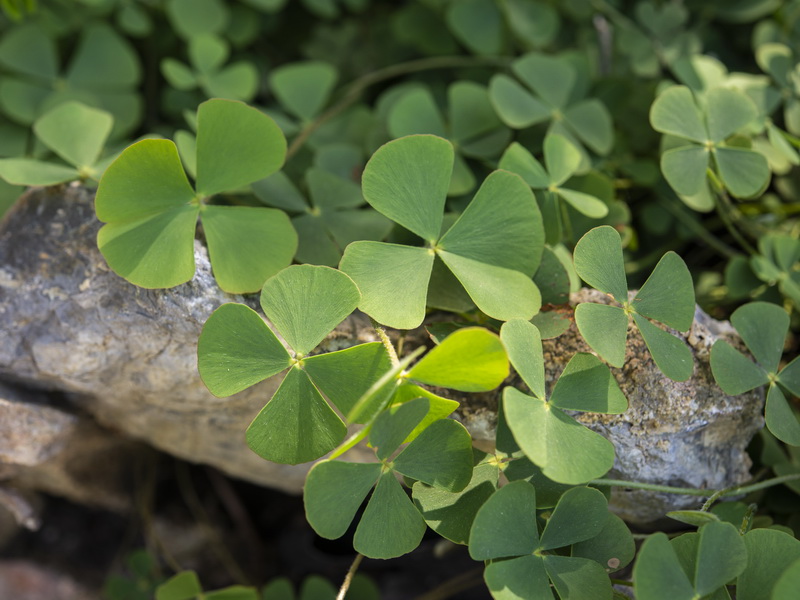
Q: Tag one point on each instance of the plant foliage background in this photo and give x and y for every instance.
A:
(478, 157)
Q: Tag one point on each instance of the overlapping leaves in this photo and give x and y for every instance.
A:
(666, 297)
(237, 350)
(763, 328)
(565, 450)
(744, 172)
(151, 210)
(493, 249)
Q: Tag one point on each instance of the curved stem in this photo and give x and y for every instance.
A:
(668, 489)
(357, 87)
(349, 577)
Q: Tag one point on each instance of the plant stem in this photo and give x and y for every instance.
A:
(668, 489)
(728, 213)
(357, 87)
(387, 343)
(698, 229)
(349, 577)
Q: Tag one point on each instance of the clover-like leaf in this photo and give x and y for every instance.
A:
(303, 88)
(769, 553)
(763, 327)
(150, 209)
(492, 251)
(667, 296)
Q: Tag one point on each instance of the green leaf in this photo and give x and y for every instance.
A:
(346, 375)
(407, 180)
(671, 355)
(598, 261)
(478, 24)
(579, 515)
(605, 329)
(29, 50)
(592, 207)
(786, 587)
(657, 573)
(592, 124)
(505, 525)
(236, 350)
(578, 578)
(379, 270)
(780, 418)
(524, 346)
(523, 577)
(391, 525)
(416, 112)
(734, 373)
(561, 158)
(183, 586)
(305, 303)
(440, 456)
(331, 506)
(535, 23)
(393, 426)
(668, 294)
(586, 384)
(380, 393)
(763, 327)
(721, 557)
(475, 127)
(103, 60)
(566, 451)
(789, 377)
(303, 88)
(308, 426)
(279, 588)
(315, 587)
(675, 112)
(233, 592)
(75, 132)
(314, 243)
(552, 78)
(236, 145)
(685, 168)
(612, 547)
(552, 278)
(744, 172)
(514, 104)
(470, 360)
(247, 244)
(278, 190)
(196, 17)
(26, 171)
(769, 553)
(518, 160)
(500, 293)
(727, 111)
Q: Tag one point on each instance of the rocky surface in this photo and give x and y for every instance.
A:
(125, 357)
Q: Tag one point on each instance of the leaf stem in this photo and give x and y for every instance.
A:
(356, 88)
(728, 213)
(349, 577)
(668, 489)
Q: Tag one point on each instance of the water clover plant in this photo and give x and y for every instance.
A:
(77, 134)
(493, 248)
(237, 349)
(565, 450)
(562, 161)
(303, 88)
(779, 62)
(666, 297)
(186, 586)
(332, 218)
(777, 261)
(553, 90)
(472, 126)
(151, 210)
(744, 172)
(763, 328)
(524, 564)
(441, 456)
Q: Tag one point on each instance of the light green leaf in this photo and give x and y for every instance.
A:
(233, 592)
(668, 294)
(197, 17)
(657, 573)
(381, 393)
(247, 245)
(671, 355)
(207, 52)
(734, 373)
(308, 428)
(346, 375)
(561, 158)
(566, 451)
(769, 553)
(592, 207)
(439, 407)
(501, 293)
(183, 586)
(524, 346)
(675, 112)
(478, 24)
(306, 302)
(303, 88)
(789, 377)
(505, 525)
(727, 112)
(721, 557)
(27, 171)
(178, 75)
(535, 23)
(780, 417)
(523, 577)
(612, 547)
(579, 515)
(238, 81)
(789, 582)
(394, 425)
(391, 525)
(407, 180)
(598, 261)
(331, 506)
(763, 327)
(586, 384)
(605, 329)
(236, 350)
(440, 456)
(592, 124)
(416, 112)
(553, 79)
(75, 132)
(577, 578)
(514, 104)
(236, 145)
(379, 269)
(685, 167)
(696, 518)
(330, 191)
(474, 123)
(518, 160)
(469, 360)
(103, 60)
(29, 50)
(278, 190)
(744, 172)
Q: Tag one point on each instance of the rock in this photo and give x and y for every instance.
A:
(26, 580)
